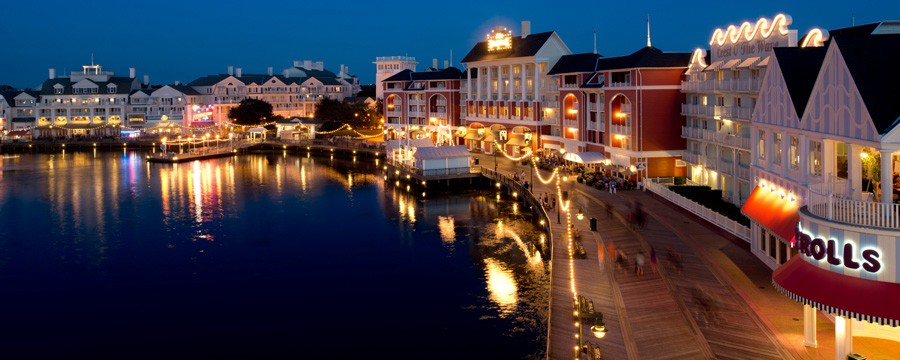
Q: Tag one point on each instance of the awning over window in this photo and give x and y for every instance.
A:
(713, 67)
(588, 157)
(747, 62)
(777, 215)
(861, 299)
(730, 64)
(763, 63)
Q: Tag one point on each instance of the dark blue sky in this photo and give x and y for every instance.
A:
(182, 40)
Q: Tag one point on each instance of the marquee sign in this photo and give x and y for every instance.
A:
(849, 256)
(499, 39)
(751, 39)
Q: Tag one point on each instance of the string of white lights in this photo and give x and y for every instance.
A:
(513, 158)
(541, 178)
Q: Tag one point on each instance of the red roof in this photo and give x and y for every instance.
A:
(861, 299)
(18, 133)
(778, 215)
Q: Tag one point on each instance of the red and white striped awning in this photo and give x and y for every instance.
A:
(847, 296)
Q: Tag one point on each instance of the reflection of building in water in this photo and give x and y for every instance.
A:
(501, 286)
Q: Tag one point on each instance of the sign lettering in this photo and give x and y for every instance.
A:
(821, 249)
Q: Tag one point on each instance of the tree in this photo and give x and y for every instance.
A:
(251, 112)
(366, 91)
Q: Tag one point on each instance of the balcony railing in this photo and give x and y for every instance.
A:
(570, 123)
(691, 157)
(569, 86)
(620, 84)
(595, 125)
(596, 107)
(743, 172)
(620, 129)
(748, 85)
(830, 200)
(726, 167)
(742, 113)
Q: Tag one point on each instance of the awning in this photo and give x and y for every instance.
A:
(473, 136)
(518, 141)
(763, 63)
(587, 157)
(71, 126)
(777, 215)
(713, 67)
(747, 62)
(18, 133)
(730, 64)
(848, 296)
(203, 123)
(257, 130)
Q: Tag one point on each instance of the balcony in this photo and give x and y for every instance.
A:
(619, 84)
(748, 85)
(741, 113)
(726, 167)
(595, 126)
(620, 129)
(691, 158)
(570, 123)
(438, 114)
(596, 107)
(743, 172)
(723, 111)
(831, 201)
(393, 113)
(569, 86)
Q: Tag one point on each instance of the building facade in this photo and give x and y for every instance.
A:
(423, 104)
(509, 93)
(625, 108)
(825, 165)
(721, 89)
(387, 66)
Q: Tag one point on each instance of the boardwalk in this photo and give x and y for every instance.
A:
(686, 312)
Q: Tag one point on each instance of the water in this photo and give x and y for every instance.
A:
(103, 255)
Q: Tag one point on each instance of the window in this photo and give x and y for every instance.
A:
(57, 91)
(720, 101)
(776, 144)
(815, 158)
(622, 77)
(737, 101)
(795, 152)
(754, 73)
(761, 147)
(720, 75)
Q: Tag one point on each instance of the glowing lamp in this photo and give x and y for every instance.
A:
(599, 331)
(580, 215)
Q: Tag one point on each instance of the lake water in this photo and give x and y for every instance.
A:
(103, 255)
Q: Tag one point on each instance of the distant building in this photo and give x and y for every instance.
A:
(17, 109)
(387, 66)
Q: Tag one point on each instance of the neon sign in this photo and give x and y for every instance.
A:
(821, 249)
(202, 115)
(752, 39)
(499, 39)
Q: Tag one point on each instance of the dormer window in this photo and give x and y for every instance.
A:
(58, 90)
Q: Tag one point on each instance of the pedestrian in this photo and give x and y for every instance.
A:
(639, 264)
(553, 204)
(612, 187)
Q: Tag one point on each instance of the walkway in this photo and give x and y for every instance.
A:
(666, 314)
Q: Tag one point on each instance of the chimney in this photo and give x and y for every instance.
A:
(269, 70)
(341, 74)
(298, 63)
(446, 64)
(526, 28)
(177, 82)
(285, 73)
(131, 73)
(347, 71)
(434, 63)
(238, 72)
(147, 79)
(307, 64)
(319, 65)
(52, 73)
(230, 70)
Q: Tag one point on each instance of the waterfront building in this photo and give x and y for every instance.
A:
(387, 66)
(90, 102)
(623, 110)
(294, 92)
(825, 167)
(509, 93)
(423, 104)
(17, 109)
(721, 88)
(160, 110)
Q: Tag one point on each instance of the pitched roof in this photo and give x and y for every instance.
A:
(185, 89)
(441, 152)
(575, 63)
(528, 46)
(872, 61)
(123, 85)
(450, 73)
(800, 68)
(646, 57)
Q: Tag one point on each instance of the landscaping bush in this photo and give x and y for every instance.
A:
(711, 199)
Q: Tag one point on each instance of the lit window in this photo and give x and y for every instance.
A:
(795, 152)
(761, 148)
(815, 158)
(777, 149)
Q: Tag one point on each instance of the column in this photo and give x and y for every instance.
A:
(489, 87)
(843, 337)
(537, 82)
(512, 83)
(735, 185)
(478, 83)
(499, 82)
(809, 326)
(524, 81)
(804, 158)
(887, 176)
(469, 85)
(854, 171)
(829, 164)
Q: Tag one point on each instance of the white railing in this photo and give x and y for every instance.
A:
(596, 107)
(620, 129)
(717, 219)
(691, 157)
(829, 200)
(619, 84)
(690, 133)
(570, 123)
(748, 85)
(723, 111)
(725, 85)
(742, 113)
(743, 172)
(596, 125)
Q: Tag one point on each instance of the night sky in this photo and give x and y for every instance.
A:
(182, 40)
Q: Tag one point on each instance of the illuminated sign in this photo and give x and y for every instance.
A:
(849, 256)
(752, 39)
(499, 39)
(202, 115)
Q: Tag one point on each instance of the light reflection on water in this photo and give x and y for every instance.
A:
(103, 221)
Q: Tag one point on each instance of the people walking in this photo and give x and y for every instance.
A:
(639, 264)
(612, 187)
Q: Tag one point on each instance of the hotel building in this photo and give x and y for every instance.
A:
(17, 109)
(508, 89)
(622, 110)
(387, 66)
(423, 104)
(721, 88)
(826, 147)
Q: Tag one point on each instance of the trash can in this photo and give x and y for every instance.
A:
(593, 224)
(855, 356)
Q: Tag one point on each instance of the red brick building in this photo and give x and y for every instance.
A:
(423, 104)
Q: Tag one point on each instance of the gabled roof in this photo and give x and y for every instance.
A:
(575, 63)
(208, 80)
(872, 61)
(800, 68)
(450, 73)
(123, 85)
(441, 152)
(526, 47)
(185, 89)
(646, 57)
(147, 92)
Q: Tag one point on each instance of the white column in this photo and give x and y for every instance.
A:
(524, 80)
(490, 88)
(537, 82)
(809, 326)
(478, 83)
(804, 158)
(829, 162)
(854, 170)
(735, 185)
(887, 176)
(499, 82)
(512, 83)
(469, 83)
(843, 337)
